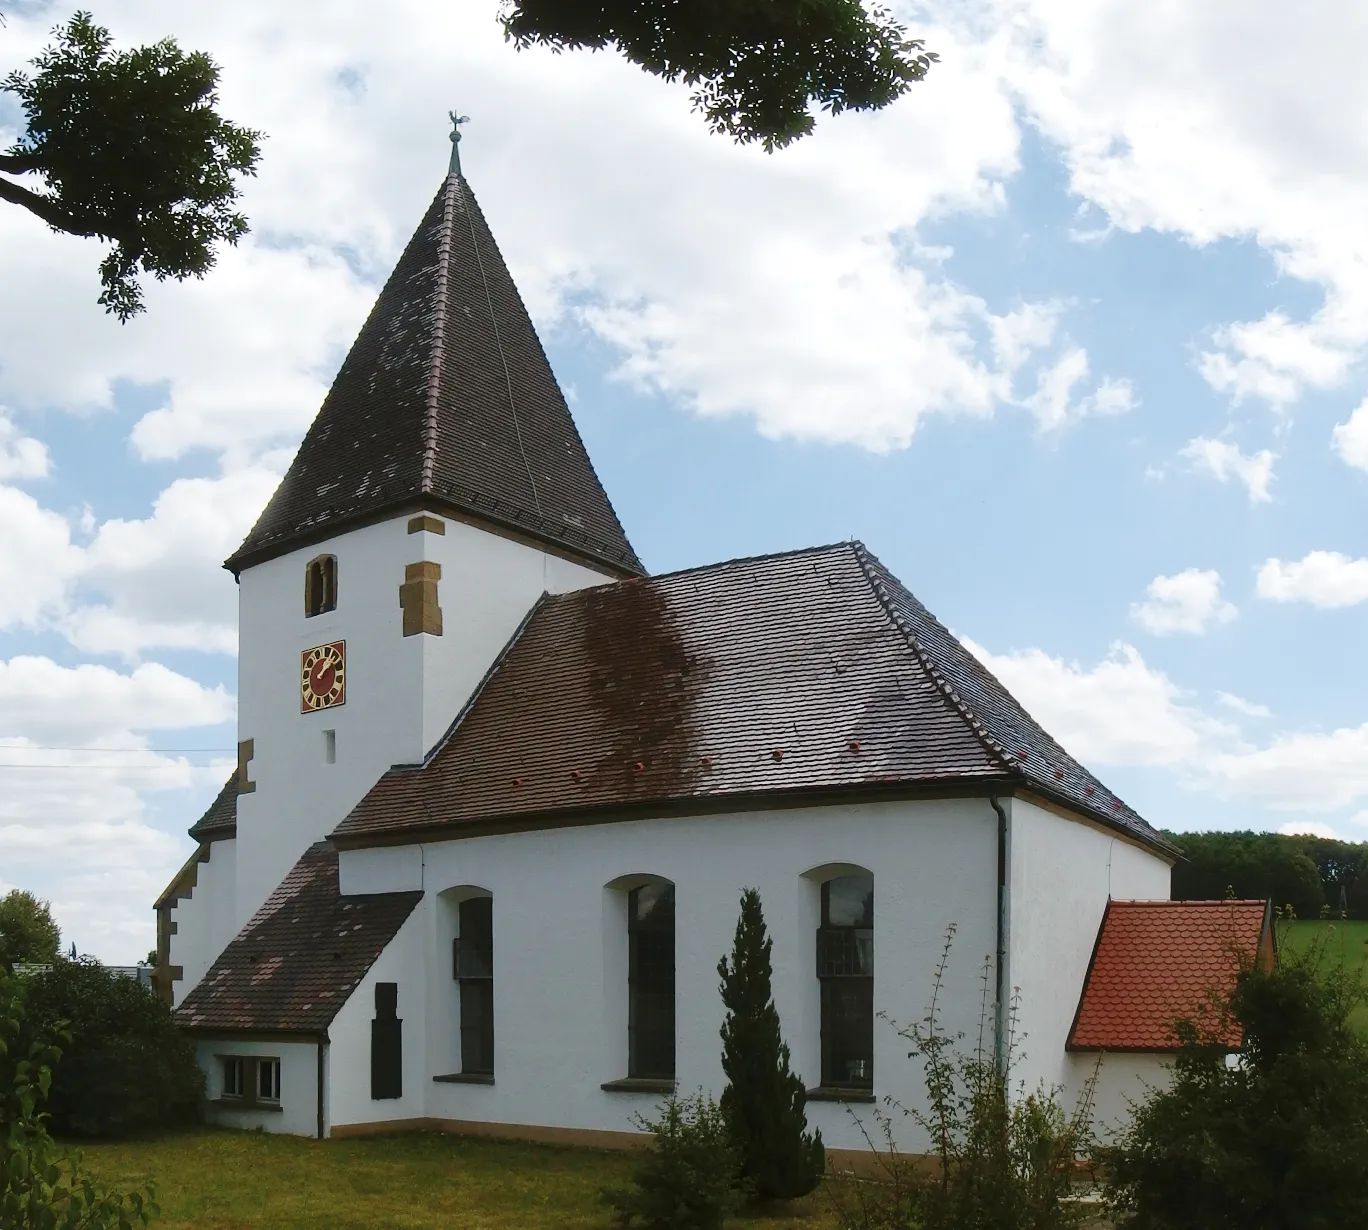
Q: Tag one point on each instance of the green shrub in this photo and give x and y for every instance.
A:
(40, 1188)
(128, 1068)
(27, 930)
(1279, 1140)
(764, 1102)
(1002, 1158)
(689, 1177)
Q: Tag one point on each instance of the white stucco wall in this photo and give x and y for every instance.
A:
(402, 692)
(1062, 874)
(560, 951)
(1122, 1081)
(403, 962)
(206, 920)
(298, 1113)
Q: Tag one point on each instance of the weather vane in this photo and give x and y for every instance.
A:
(456, 122)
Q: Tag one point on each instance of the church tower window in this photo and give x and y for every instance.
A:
(651, 982)
(320, 585)
(845, 969)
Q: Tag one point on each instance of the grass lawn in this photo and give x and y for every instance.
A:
(224, 1180)
(1345, 943)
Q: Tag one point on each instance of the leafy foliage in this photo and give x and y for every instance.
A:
(755, 65)
(764, 1102)
(1278, 1141)
(688, 1178)
(127, 1068)
(1005, 1159)
(1313, 875)
(40, 1188)
(130, 149)
(27, 930)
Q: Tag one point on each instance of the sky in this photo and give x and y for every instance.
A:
(1072, 337)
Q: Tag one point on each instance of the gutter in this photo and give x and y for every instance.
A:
(1000, 1056)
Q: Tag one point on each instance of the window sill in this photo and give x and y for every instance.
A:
(639, 1084)
(465, 1078)
(244, 1104)
(841, 1093)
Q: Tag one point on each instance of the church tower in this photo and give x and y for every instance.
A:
(442, 488)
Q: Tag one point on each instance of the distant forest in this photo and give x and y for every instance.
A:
(1313, 875)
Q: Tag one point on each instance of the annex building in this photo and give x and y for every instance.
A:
(499, 789)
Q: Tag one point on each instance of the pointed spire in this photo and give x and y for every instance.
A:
(446, 400)
(456, 122)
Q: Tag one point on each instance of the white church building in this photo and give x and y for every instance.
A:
(499, 790)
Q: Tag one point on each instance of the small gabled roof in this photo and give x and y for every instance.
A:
(1158, 962)
(757, 679)
(446, 401)
(220, 821)
(300, 956)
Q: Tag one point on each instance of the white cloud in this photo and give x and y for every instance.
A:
(1350, 438)
(37, 560)
(76, 782)
(1054, 404)
(1173, 118)
(1308, 828)
(1188, 601)
(159, 582)
(1124, 712)
(1322, 578)
(1224, 461)
(1248, 707)
(1120, 711)
(20, 456)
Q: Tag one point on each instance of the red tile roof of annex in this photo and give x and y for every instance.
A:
(1157, 962)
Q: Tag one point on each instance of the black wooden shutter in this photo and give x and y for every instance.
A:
(387, 1044)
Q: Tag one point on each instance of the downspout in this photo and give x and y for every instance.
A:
(322, 1052)
(1000, 964)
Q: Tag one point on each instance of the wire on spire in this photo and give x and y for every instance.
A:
(456, 122)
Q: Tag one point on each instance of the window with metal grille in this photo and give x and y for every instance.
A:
(651, 982)
(845, 970)
(473, 969)
(320, 585)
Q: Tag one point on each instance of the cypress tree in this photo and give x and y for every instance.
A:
(764, 1102)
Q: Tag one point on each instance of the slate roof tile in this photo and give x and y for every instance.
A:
(220, 821)
(1160, 961)
(445, 399)
(812, 670)
(292, 967)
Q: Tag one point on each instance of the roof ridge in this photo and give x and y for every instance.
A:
(866, 559)
(437, 353)
(1212, 902)
(725, 563)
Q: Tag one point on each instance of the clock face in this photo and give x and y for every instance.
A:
(323, 677)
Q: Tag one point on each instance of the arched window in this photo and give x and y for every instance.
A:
(845, 970)
(651, 981)
(473, 969)
(320, 585)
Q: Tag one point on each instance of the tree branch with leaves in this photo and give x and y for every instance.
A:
(128, 147)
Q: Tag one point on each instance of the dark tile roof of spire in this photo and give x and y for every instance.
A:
(292, 967)
(445, 400)
(220, 821)
(806, 672)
